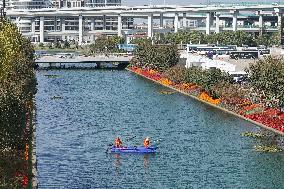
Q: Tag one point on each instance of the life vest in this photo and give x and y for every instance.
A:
(117, 142)
(146, 142)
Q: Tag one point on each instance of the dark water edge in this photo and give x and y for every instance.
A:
(200, 147)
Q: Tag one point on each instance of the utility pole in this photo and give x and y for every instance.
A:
(3, 10)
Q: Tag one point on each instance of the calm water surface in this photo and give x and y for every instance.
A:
(200, 147)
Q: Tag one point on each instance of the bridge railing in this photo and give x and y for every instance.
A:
(224, 4)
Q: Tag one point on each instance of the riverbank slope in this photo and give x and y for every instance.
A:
(210, 104)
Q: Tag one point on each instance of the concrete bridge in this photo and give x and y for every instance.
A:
(111, 61)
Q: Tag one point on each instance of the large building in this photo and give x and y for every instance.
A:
(27, 4)
(85, 3)
(55, 23)
(84, 24)
(38, 4)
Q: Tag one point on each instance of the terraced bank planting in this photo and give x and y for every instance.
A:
(257, 101)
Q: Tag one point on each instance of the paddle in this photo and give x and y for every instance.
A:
(108, 147)
(128, 139)
(156, 142)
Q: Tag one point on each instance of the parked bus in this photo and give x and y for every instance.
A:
(191, 48)
(252, 54)
(218, 50)
(262, 50)
(205, 49)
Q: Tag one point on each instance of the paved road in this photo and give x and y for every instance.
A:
(241, 64)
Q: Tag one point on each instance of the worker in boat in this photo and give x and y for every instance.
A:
(146, 142)
(117, 142)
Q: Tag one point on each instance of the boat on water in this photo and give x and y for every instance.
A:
(134, 149)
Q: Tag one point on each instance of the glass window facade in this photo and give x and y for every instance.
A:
(28, 4)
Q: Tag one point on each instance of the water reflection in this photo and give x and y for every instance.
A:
(117, 162)
(118, 159)
(146, 159)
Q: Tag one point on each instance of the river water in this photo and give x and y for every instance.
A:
(81, 111)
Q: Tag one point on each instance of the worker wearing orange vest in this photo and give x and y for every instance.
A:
(146, 142)
(117, 142)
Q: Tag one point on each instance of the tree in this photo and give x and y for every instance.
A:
(50, 45)
(267, 77)
(106, 44)
(243, 38)
(139, 41)
(195, 75)
(176, 74)
(263, 39)
(212, 77)
(40, 45)
(207, 79)
(194, 37)
(57, 44)
(17, 88)
(157, 57)
(268, 40)
(66, 45)
(274, 40)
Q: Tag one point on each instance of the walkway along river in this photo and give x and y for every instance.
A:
(79, 112)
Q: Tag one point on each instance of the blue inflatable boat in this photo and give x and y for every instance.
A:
(134, 149)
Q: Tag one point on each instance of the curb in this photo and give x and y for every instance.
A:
(34, 159)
